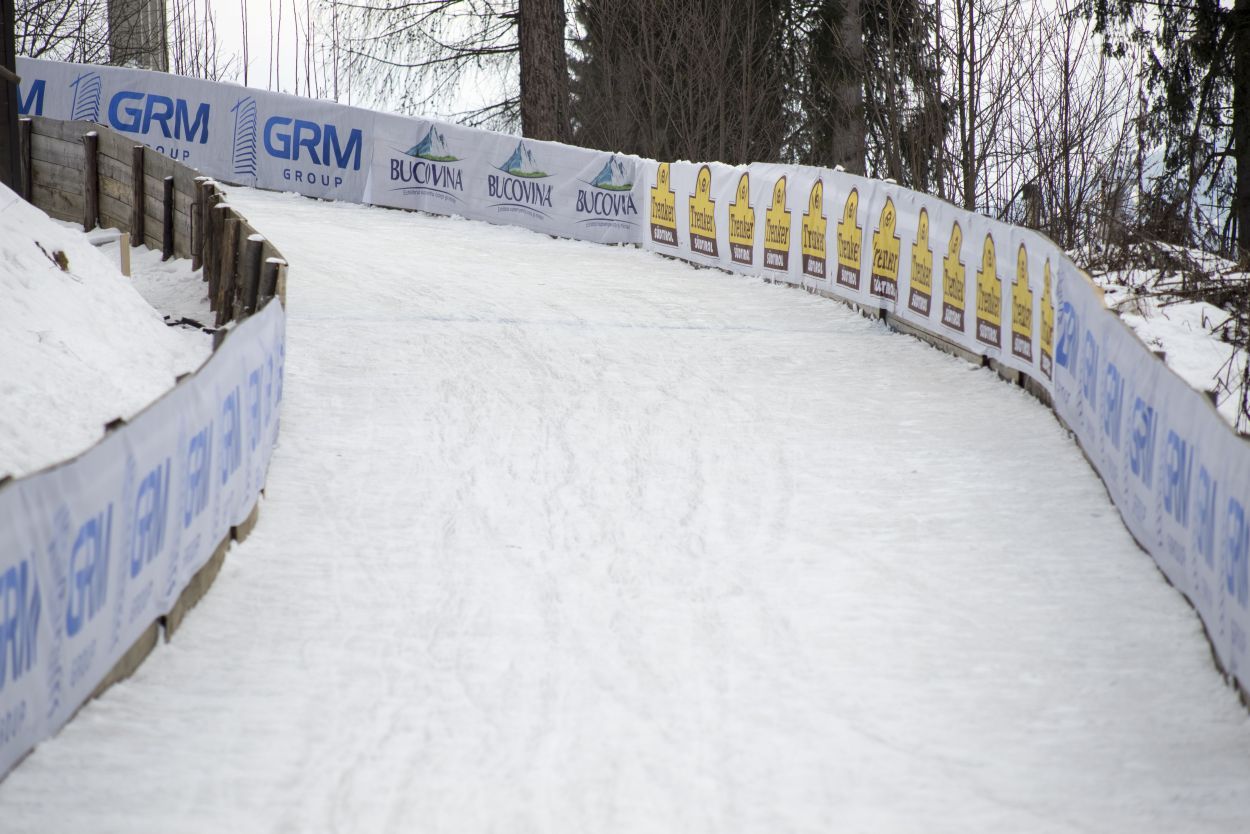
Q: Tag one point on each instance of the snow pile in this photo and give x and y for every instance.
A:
(79, 346)
(1195, 336)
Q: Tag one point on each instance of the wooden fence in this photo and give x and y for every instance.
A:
(85, 173)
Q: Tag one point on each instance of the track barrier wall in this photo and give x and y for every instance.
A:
(1000, 295)
(100, 553)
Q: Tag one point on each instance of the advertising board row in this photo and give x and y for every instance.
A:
(1179, 475)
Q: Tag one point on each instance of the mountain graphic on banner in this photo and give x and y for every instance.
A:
(614, 176)
(433, 147)
(522, 164)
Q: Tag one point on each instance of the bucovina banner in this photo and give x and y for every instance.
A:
(93, 551)
(1179, 475)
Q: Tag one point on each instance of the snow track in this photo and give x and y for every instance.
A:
(567, 538)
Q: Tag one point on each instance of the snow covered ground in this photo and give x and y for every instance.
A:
(79, 344)
(562, 537)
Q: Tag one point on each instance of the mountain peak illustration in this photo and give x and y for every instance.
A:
(614, 176)
(521, 162)
(433, 146)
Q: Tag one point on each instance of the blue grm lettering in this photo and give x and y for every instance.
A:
(199, 465)
(20, 607)
(1180, 459)
(1237, 553)
(134, 112)
(151, 512)
(231, 435)
(285, 138)
(1142, 442)
(88, 571)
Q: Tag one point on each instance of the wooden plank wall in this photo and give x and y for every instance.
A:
(242, 271)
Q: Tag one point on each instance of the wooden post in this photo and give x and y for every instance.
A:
(249, 272)
(167, 234)
(138, 196)
(229, 249)
(269, 280)
(212, 244)
(197, 225)
(91, 181)
(25, 130)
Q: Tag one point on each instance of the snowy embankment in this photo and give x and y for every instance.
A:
(563, 537)
(79, 344)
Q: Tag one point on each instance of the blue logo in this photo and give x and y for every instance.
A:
(1069, 328)
(89, 571)
(286, 138)
(88, 91)
(199, 465)
(1112, 404)
(32, 103)
(1204, 532)
(1089, 370)
(243, 151)
(150, 521)
(1236, 553)
(19, 621)
(432, 147)
(1180, 463)
(134, 112)
(1141, 453)
(231, 435)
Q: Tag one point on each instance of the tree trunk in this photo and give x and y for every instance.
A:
(1240, 22)
(848, 141)
(544, 70)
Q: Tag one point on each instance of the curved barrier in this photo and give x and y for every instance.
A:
(98, 553)
(1001, 295)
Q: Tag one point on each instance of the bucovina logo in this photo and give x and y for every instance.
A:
(814, 227)
(742, 224)
(883, 282)
(1048, 323)
(850, 236)
(306, 143)
(609, 201)
(517, 187)
(777, 230)
(920, 299)
(1022, 309)
(663, 208)
(428, 168)
(954, 281)
(703, 215)
(989, 297)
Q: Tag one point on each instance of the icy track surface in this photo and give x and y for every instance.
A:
(566, 538)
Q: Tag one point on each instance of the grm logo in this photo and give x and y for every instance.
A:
(151, 514)
(89, 569)
(1179, 465)
(284, 137)
(1204, 530)
(1237, 553)
(20, 606)
(1112, 404)
(199, 466)
(1141, 451)
(135, 112)
(32, 103)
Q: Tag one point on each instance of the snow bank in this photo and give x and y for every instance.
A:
(79, 346)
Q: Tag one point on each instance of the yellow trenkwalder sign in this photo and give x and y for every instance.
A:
(815, 227)
(703, 215)
(742, 224)
(989, 297)
(777, 230)
(1022, 309)
(954, 280)
(850, 236)
(920, 299)
(1048, 323)
(663, 208)
(883, 282)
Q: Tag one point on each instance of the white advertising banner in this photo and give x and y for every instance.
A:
(93, 551)
(1179, 475)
